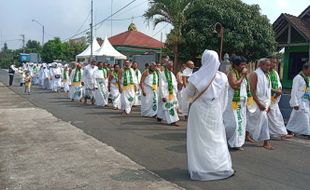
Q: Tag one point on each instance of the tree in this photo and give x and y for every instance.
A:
(5, 47)
(33, 46)
(53, 50)
(71, 49)
(172, 12)
(246, 32)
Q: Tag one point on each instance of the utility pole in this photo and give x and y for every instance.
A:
(91, 32)
(111, 15)
(23, 40)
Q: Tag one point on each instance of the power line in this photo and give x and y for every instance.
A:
(99, 23)
(160, 30)
(11, 40)
(122, 19)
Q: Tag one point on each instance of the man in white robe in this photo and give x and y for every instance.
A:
(149, 87)
(257, 123)
(101, 92)
(235, 112)
(299, 121)
(275, 119)
(168, 89)
(127, 87)
(66, 78)
(137, 100)
(89, 81)
(76, 83)
(208, 156)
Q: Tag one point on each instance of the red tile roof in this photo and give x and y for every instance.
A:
(135, 38)
(303, 25)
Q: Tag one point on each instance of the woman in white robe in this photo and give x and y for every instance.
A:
(299, 121)
(207, 151)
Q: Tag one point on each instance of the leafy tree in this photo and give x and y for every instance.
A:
(247, 32)
(71, 49)
(53, 50)
(172, 12)
(33, 46)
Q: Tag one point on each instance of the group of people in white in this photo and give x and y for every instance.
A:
(222, 110)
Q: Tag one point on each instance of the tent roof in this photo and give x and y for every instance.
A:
(108, 50)
(87, 52)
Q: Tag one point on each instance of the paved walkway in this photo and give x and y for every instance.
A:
(39, 151)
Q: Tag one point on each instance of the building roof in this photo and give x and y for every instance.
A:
(300, 23)
(135, 39)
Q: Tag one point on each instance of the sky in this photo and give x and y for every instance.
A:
(64, 18)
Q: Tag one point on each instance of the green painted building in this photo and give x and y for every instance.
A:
(293, 35)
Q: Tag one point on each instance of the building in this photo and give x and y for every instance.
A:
(137, 46)
(293, 34)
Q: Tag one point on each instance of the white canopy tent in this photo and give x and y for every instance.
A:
(108, 50)
(87, 52)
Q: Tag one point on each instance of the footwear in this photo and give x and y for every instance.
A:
(158, 119)
(175, 124)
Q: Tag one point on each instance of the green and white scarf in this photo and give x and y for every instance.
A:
(77, 75)
(127, 73)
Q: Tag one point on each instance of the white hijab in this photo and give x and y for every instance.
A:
(209, 66)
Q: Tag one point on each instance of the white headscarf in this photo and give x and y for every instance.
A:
(209, 66)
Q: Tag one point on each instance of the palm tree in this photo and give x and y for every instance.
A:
(172, 12)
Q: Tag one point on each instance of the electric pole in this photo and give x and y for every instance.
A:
(91, 32)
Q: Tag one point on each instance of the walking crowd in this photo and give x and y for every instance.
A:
(222, 111)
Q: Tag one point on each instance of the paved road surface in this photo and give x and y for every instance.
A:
(162, 149)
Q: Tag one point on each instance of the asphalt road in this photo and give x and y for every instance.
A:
(162, 149)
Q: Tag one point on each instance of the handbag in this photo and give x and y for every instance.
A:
(201, 93)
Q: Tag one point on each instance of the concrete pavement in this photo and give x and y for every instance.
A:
(39, 151)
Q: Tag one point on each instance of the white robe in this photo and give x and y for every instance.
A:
(56, 82)
(75, 92)
(101, 92)
(208, 156)
(115, 94)
(275, 118)
(299, 121)
(183, 101)
(167, 110)
(66, 80)
(128, 94)
(257, 123)
(137, 101)
(149, 103)
(89, 81)
(235, 119)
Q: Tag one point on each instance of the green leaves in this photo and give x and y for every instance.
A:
(57, 50)
(246, 32)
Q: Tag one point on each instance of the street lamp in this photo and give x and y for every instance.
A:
(220, 31)
(33, 20)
